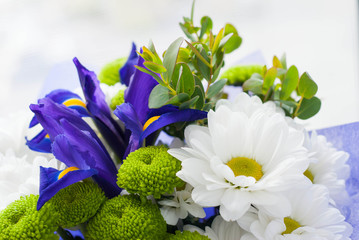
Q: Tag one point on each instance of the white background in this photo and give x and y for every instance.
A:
(318, 36)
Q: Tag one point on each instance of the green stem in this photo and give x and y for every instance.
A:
(298, 106)
(65, 235)
(210, 76)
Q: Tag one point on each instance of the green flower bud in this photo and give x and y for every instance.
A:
(118, 99)
(110, 72)
(21, 220)
(77, 203)
(187, 235)
(127, 218)
(149, 171)
(237, 75)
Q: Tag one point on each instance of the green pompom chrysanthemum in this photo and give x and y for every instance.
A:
(110, 72)
(187, 235)
(77, 203)
(237, 75)
(149, 171)
(21, 220)
(127, 218)
(118, 99)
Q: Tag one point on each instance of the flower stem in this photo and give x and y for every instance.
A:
(65, 235)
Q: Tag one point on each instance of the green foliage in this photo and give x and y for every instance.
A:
(183, 68)
(77, 203)
(21, 220)
(110, 72)
(294, 94)
(149, 171)
(128, 218)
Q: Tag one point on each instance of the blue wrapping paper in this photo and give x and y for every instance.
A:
(346, 138)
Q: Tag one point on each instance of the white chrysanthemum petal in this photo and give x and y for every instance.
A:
(311, 210)
(328, 166)
(18, 177)
(244, 132)
(180, 204)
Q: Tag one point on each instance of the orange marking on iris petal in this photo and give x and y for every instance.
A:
(67, 170)
(149, 121)
(74, 102)
(47, 136)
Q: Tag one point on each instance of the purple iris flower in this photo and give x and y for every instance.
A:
(41, 142)
(141, 120)
(100, 111)
(128, 68)
(156, 119)
(75, 144)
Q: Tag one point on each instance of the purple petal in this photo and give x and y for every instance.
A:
(50, 184)
(98, 107)
(40, 143)
(129, 68)
(186, 115)
(127, 114)
(139, 91)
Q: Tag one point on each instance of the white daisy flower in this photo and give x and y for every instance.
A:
(311, 217)
(20, 176)
(328, 167)
(243, 157)
(13, 130)
(221, 230)
(180, 205)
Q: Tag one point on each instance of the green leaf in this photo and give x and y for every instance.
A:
(158, 97)
(283, 61)
(175, 77)
(309, 108)
(254, 85)
(154, 75)
(195, 51)
(229, 28)
(277, 63)
(290, 83)
(307, 87)
(217, 40)
(199, 92)
(183, 55)
(208, 106)
(152, 48)
(186, 80)
(269, 79)
(170, 58)
(233, 43)
(154, 67)
(187, 33)
(178, 99)
(203, 68)
(216, 87)
(192, 10)
(189, 103)
(206, 26)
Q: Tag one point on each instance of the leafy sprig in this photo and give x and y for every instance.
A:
(294, 93)
(182, 69)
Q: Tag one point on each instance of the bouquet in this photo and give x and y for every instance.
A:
(171, 146)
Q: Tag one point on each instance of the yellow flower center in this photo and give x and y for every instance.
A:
(309, 175)
(290, 225)
(245, 167)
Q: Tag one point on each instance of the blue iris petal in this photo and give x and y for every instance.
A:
(50, 184)
(139, 91)
(100, 111)
(129, 68)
